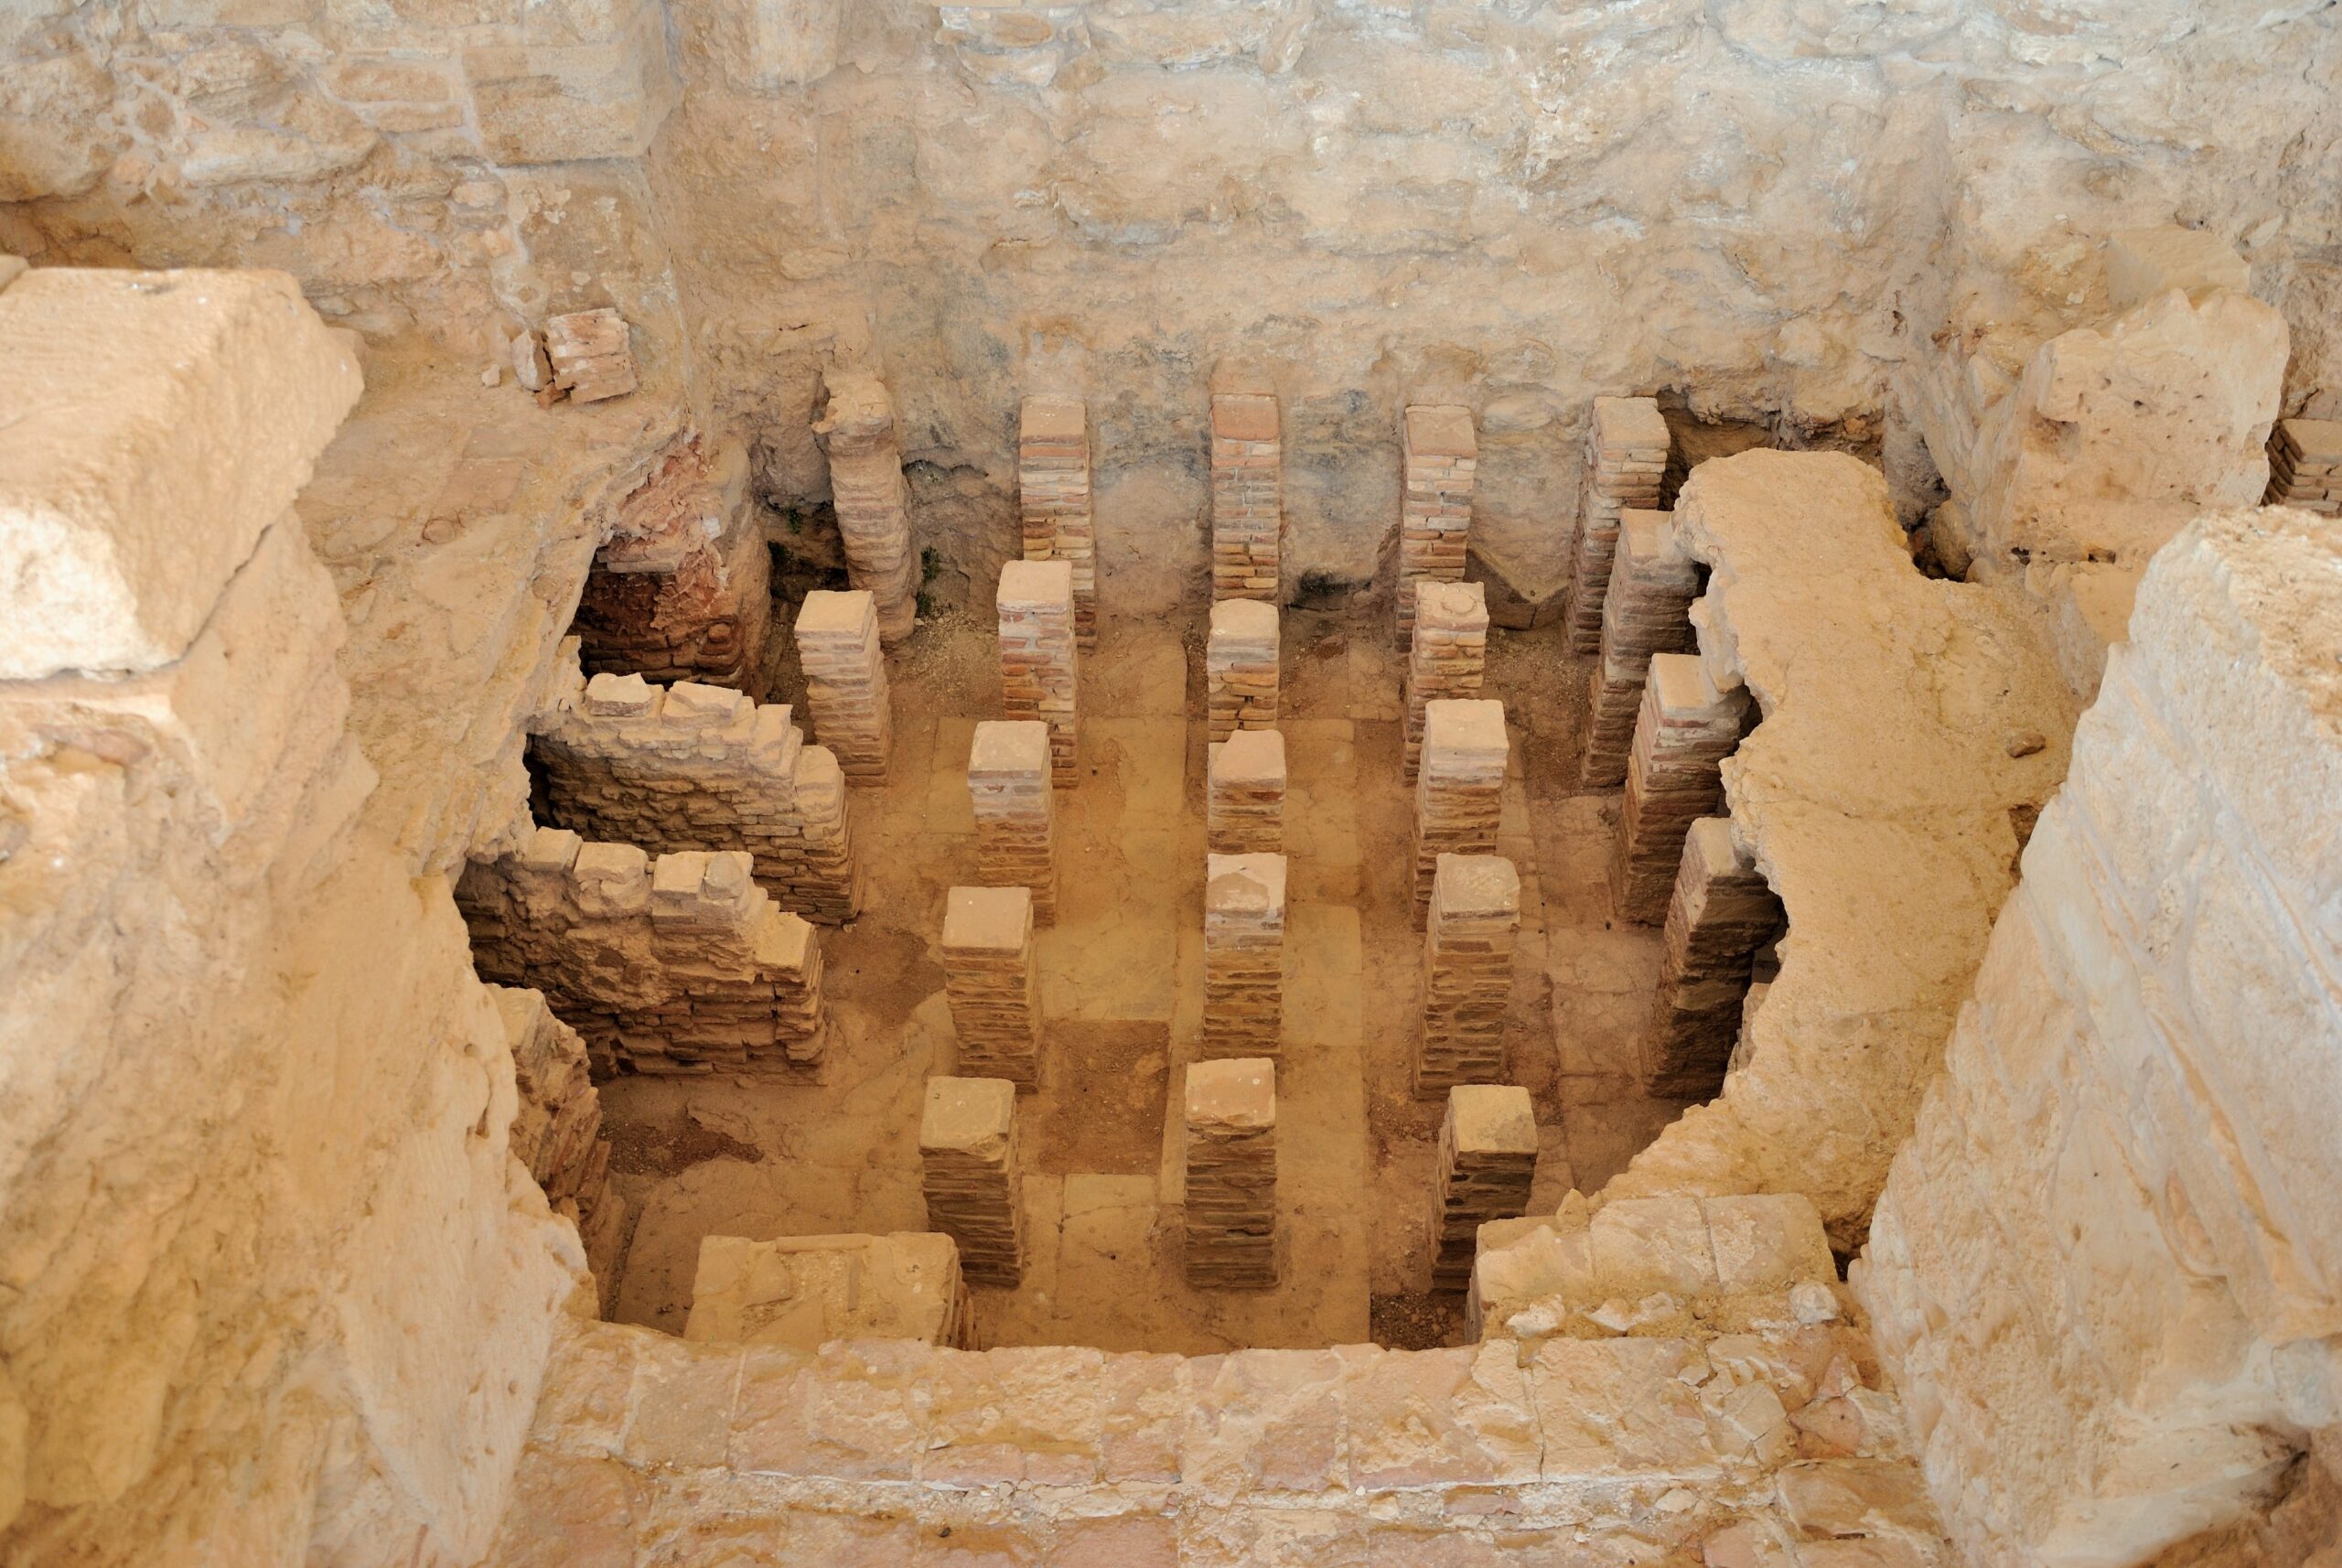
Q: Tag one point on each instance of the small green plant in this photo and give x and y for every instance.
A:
(931, 564)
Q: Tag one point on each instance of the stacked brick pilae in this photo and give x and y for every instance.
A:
(1038, 655)
(845, 681)
(1467, 971)
(857, 430)
(1625, 464)
(1244, 806)
(968, 1173)
(1240, 667)
(1439, 467)
(1054, 503)
(1721, 913)
(1016, 809)
(1450, 655)
(1683, 732)
(990, 984)
(1244, 954)
(1247, 495)
(2305, 465)
(1646, 611)
(1231, 1174)
(1459, 789)
(1488, 1158)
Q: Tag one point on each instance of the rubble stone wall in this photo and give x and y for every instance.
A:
(2107, 1269)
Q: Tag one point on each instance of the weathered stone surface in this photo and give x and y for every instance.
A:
(804, 1290)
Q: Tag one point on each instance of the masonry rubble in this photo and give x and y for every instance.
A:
(1439, 465)
(1467, 971)
(1647, 610)
(1626, 460)
(857, 431)
(1244, 914)
(1241, 656)
(1449, 656)
(845, 681)
(1487, 1157)
(1245, 786)
(1684, 730)
(1230, 1197)
(802, 1292)
(2305, 465)
(591, 353)
(681, 588)
(1016, 809)
(1720, 913)
(991, 984)
(969, 1175)
(679, 964)
(1054, 502)
(1247, 495)
(1459, 789)
(1038, 655)
(697, 766)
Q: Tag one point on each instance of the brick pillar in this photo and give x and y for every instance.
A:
(988, 980)
(1240, 667)
(1467, 971)
(1682, 734)
(1244, 954)
(1626, 460)
(1450, 653)
(1440, 456)
(845, 681)
(857, 430)
(1247, 495)
(1037, 654)
(1721, 913)
(1244, 812)
(1053, 492)
(1008, 784)
(1232, 1181)
(1488, 1155)
(1460, 787)
(967, 1156)
(1648, 610)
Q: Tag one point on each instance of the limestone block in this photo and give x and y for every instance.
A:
(803, 1291)
(559, 102)
(2143, 263)
(768, 45)
(153, 426)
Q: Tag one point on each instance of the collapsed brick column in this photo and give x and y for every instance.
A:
(967, 1155)
(857, 430)
(696, 766)
(1054, 499)
(1722, 911)
(1244, 954)
(1626, 460)
(845, 681)
(679, 964)
(1244, 806)
(1232, 1175)
(1683, 732)
(1037, 654)
(1439, 460)
(1240, 667)
(1247, 495)
(1459, 789)
(1450, 653)
(989, 981)
(1646, 611)
(1467, 971)
(2305, 465)
(1488, 1158)
(681, 588)
(1008, 785)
